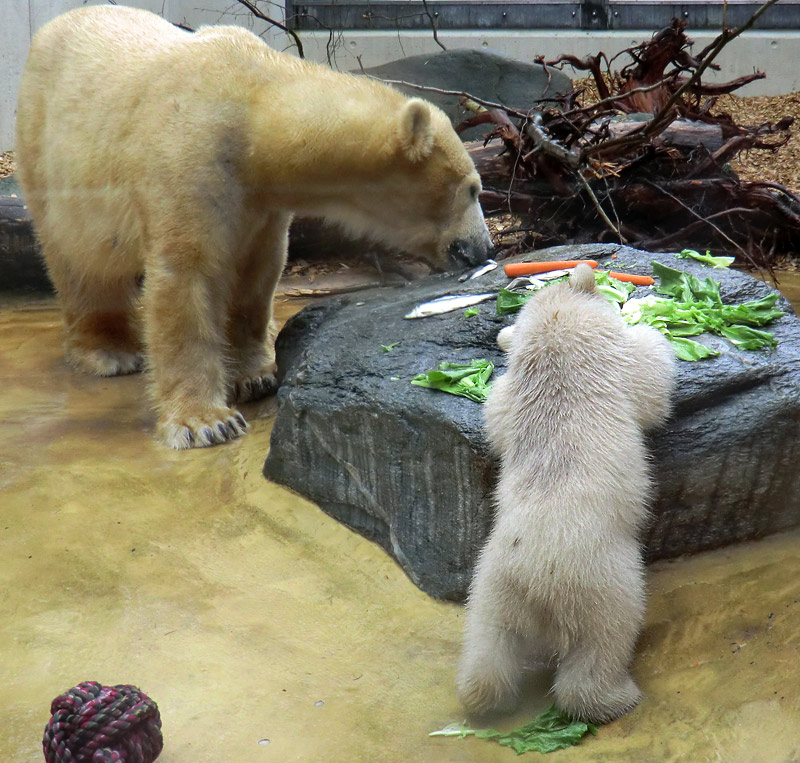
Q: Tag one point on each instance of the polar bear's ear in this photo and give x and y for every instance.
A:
(416, 130)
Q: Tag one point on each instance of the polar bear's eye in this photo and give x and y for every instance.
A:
(474, 191)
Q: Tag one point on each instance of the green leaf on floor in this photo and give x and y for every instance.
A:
(549, 731)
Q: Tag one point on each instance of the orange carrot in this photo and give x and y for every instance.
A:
(632, 278)
(515, 269)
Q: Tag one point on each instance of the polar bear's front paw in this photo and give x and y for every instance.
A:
(212, 427)
(249, 388)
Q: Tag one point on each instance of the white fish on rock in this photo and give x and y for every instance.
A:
(447, 304)
(487, 268)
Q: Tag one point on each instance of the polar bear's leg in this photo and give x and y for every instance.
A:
(494, 655)
(491, 665)
(103, 335)
(593, 682)
(251, 328)
(185, 300)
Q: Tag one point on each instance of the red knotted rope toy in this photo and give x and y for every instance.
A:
(103, 724)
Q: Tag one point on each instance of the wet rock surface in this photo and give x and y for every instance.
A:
(409, 467)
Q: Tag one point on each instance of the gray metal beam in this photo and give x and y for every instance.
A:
(523, 14)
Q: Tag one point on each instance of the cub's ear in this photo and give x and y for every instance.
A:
(416, 130)
(582, 279)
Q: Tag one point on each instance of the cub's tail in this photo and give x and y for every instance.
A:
(582, 279)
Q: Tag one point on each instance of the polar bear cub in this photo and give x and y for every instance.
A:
(561, 576)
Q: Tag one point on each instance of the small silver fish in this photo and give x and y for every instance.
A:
(487, 268)
(447, 304)
(553, 274)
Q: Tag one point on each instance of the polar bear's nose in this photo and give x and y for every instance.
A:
(471, 252)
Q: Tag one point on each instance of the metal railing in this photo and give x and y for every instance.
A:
(523, 14)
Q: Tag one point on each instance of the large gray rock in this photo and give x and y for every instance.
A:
(409, 467)
(22, 268)
(483, 74)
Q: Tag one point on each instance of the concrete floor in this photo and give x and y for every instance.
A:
(249, 615)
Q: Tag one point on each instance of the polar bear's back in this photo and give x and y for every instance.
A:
(563, 421)
(109, 101)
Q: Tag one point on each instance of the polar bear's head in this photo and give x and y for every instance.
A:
(436, 204)
(414, 186)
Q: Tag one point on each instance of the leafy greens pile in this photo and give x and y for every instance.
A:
(468, 380)
(715, 262)
(696, 307)
(691, 307)
(549, 731)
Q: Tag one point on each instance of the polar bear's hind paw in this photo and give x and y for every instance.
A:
(252, 388)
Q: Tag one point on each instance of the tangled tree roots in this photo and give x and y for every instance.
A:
(645, 164)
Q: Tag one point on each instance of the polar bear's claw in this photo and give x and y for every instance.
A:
(217, 427)
(254, 388)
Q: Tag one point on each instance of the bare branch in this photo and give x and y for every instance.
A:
(613, 228)
(277, 24)
(433, 25)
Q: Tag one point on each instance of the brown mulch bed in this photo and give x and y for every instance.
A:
(784, 165)
(6, 163)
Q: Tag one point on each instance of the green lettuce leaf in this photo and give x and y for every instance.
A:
(469, 380)
(509, 302)
(746, 338)
(696, 308)
(613, 290)
(688, 349)
(715, 262)
(549, 731)
(685, 287)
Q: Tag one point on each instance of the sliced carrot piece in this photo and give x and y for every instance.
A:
(632, 278)
(516, 269)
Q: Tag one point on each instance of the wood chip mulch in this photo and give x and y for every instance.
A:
(782, 166)
(6, 163)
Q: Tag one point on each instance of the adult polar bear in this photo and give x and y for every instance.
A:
(145, 149)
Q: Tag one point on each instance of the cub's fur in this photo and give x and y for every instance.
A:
(145, 150)
(561, 575)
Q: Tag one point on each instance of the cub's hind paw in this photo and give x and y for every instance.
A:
(214, 427)
(482, 692)
(251, 388)
(588, 702)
